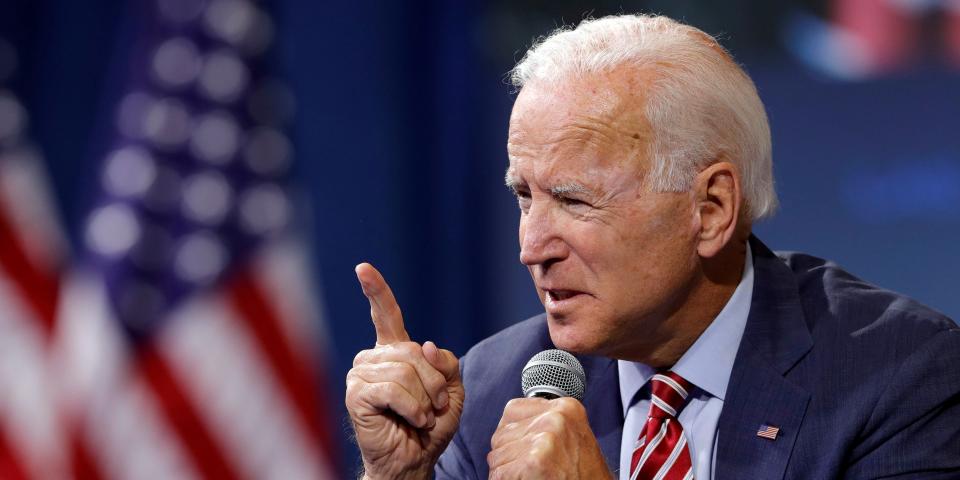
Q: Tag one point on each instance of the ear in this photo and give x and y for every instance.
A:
(719, 202)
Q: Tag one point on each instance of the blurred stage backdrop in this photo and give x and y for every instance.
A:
(186, 186)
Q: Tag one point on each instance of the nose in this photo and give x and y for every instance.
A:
(541, 242)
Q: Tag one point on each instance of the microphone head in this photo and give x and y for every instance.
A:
(553, 374)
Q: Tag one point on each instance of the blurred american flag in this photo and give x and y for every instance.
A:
(31, 254)
(185, 340)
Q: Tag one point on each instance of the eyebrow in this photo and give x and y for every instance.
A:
(511, 180)
(566, 188)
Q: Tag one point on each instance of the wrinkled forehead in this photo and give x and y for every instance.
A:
(593, 116)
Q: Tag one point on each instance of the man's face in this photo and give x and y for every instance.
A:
(611, 260)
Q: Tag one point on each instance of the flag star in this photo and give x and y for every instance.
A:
(200, 257)
(167, 123)
(176, 63)
(216, 137)
(112, 230)
(129, 172)
(223, 76)
(207, 197)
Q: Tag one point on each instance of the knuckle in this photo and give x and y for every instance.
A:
(410, 349)
(352, 378)
(402, 371)
(405, 379)
(545, 439)
(565, 403)
(361, 357)
(354, 383)
(351, 392)
(384, 389)
(551, 421)
(570, 406)
(434, 381)
(502, 432)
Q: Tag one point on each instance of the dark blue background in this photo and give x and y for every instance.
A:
(400, 133)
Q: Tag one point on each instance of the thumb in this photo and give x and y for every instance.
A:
(443, 360)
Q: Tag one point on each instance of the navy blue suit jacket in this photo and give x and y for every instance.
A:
(863, 383)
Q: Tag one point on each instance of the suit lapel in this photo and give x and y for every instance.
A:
(602, 402)
(774, 340)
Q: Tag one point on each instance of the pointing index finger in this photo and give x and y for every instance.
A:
(384, 310)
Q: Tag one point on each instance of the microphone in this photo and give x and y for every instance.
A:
(553, 374)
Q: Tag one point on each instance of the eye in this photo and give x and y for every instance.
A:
(572, 202)
(523, 199)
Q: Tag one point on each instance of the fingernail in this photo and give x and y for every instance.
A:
(442, 398)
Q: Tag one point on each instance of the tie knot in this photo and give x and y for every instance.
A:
(668, 394)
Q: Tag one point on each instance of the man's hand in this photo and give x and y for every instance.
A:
(404, 399)
(548, 439)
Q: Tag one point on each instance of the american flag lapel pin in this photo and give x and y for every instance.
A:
(769, 432)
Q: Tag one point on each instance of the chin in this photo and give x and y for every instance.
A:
(566, 336)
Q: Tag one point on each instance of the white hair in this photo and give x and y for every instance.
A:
(701, 105)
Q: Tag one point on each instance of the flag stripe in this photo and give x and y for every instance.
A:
(131, 437)
(248, 414)
(83, 464)
(38, 288)
(292, 373)
(28, 409)
(291, 290)
(11, 465)
(181, 414)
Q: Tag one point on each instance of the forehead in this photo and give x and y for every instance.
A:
(578, 126)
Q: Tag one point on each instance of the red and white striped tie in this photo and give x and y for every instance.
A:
(661, 450)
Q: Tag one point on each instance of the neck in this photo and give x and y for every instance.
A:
(707, 294)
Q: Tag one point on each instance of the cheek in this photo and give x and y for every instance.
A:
(649, 249)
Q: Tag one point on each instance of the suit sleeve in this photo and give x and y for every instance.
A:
(914, 430)
(455, 462)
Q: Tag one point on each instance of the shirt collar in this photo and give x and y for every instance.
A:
(709, 361)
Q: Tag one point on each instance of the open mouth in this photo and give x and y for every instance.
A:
(560, 295)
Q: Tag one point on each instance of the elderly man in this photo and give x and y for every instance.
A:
(640, 156)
